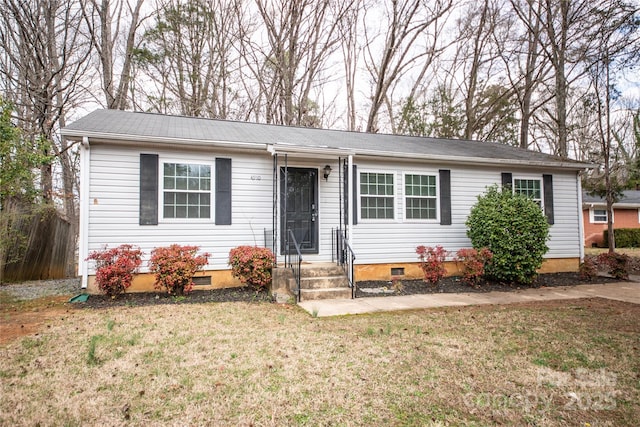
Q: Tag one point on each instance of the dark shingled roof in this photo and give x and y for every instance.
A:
(122, 125)
(629, 198)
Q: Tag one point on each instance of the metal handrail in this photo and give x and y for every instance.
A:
(295, 263)
(344, 256)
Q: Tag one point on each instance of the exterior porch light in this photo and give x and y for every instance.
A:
(327, 172)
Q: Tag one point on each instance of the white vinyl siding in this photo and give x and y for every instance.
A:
(384, 242)
(114, 199)
(114, 204)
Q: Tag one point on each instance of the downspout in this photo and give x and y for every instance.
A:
(351, 212)
(83, 232)
(350, 216)
(580, 215)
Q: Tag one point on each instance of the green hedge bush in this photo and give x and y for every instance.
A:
(624, 237)
(514, 229)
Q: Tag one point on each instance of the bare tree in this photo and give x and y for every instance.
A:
(407, 41)
(42, 68)
(349, 28)
(189, 56)
(487, 102)
(568, 26)
(105, 21)
(301, 36)
(617, 46)
(525, 66)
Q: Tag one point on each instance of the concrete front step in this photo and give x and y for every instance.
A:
(324, 293)
(323, 282)
(317, 281)
(321, 270)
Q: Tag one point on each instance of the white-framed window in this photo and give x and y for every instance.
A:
(530, 187)
(598, 215)
(420, 196)
(186, 190)
(377, 195)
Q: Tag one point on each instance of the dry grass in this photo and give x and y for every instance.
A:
(633, 252)
(568, 363)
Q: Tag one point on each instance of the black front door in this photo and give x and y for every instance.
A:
(299, 207)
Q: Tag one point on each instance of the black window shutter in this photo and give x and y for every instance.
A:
(223, 192)
(445, 197)
(507, 180)
(547, 182)
(148, 189)
(345, 191)
(355, 194)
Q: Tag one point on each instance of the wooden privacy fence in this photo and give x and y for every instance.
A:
(36, 243)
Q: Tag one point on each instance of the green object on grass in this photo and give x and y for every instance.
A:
(80, 298)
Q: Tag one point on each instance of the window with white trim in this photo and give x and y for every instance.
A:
(186, 190)
(599, 215)
(376, 195)
(531, 188)
(420, 196)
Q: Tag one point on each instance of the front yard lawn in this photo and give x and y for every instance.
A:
(557, 363)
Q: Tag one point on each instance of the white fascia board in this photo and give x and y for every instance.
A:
(281, 148)
(324, 150)
(476, 160)
(125, 138)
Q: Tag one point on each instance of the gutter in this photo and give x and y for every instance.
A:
(587, 205)
(73, 134)
(280, 147)
(292, 149)
(478, 160)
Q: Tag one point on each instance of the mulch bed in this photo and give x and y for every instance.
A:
(242, 294)
(455, 285)
(379, 288)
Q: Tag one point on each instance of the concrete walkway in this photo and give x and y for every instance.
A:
(622, 291)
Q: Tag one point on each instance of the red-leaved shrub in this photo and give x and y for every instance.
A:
(115, 268)
(473, 262)
(432, 262)
(252, 265)
(617, 263)
(175, 266)
(588, 269)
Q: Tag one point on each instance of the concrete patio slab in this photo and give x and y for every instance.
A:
(621, 291)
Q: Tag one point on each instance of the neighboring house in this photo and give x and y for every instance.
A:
(153, 180)
(626, 214)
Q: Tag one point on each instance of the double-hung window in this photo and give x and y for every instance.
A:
(598, 215)
(186, 190)
(376, 195)
(531, 188)
(420, 196)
